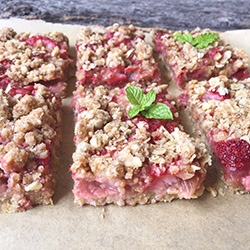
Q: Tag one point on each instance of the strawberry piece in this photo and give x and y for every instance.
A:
(241, 74)
(234, 153)
(211, 53)
(234, 156)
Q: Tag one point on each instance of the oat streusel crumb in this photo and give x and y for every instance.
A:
(117, 51)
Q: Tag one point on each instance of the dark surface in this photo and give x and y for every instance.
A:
(175, 14)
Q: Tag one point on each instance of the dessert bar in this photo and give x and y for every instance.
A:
(113, 56)
(126, 160)
(26, 59)
(221, 109)
(30, 135)
(199, 55)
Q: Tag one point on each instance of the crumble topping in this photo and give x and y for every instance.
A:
(109, 144)
(117, 47)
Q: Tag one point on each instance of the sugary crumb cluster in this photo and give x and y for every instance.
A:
(126, 160)
(30, 136)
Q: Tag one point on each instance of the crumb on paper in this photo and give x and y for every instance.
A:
(222, 191)
(212, 191)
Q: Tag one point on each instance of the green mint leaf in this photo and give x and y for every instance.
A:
(158, 111)
(143, 103)
(135, 95)
(135, 111)
(149, 98)
(185, 38)
(200, 42)
(203, 40)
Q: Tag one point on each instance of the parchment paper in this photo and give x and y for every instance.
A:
(204, 223)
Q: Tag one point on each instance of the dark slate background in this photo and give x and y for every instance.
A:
(175, 14)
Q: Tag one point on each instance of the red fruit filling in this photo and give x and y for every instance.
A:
(234, 156)
(214, 95)
(101, 187)
(26, 90)
(241, 74)
(119, 75)
(48, 43)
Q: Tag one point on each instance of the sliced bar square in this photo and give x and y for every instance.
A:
(114, 56)
(30, 136)
(126, 160)
(188, 62)
(27, 59)
(221, 109)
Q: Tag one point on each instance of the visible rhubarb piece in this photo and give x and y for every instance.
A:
(30, 137)
(190, 63)
(26, 60)
(124, 160)
(221, 108)
(115, 56)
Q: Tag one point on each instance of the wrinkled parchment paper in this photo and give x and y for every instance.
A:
(204, 223)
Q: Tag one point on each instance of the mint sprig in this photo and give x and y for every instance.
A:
(144, 103)
(200, 42)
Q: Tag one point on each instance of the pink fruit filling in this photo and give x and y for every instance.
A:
(48, 43)
(214, 95)
(234, 156)
(118, 75)
(159, 184)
